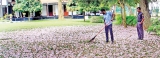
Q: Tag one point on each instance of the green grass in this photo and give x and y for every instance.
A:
(42, 23)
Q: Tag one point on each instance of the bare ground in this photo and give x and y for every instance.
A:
(72, 42)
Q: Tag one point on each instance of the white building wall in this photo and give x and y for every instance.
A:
(1, 12)
(56, 9)
(4, 2)
(44, 13)
(153, 6)
(74, 13)
(69, 13)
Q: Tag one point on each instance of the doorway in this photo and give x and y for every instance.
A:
(65, 10)
(50, 10)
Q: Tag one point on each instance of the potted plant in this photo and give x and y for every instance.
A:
(24, 14)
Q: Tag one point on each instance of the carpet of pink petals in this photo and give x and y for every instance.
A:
(72, 42)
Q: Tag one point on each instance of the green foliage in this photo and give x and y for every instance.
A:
(118, 20)
(96, 19)
(155, 27)
(1, 18)
(19, 7)
(72, 6)
(5, 16)
(27, 5)
(130, 20)
(91, 5)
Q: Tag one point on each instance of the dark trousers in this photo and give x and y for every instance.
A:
(107, 29)
(140, 31)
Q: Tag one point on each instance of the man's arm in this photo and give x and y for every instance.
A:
(142, 19)
(104, 21)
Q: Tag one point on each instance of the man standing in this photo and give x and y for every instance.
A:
(108, 18)
(140, 19)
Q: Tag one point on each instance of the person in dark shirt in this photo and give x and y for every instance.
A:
(140, 19)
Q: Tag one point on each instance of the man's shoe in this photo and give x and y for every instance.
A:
(107, 41)
(140, 39)
(113, 42)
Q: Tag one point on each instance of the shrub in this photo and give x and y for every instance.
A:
(96, 19)
(1, 18)
(118, 19)
(130, 20)
(155, 27)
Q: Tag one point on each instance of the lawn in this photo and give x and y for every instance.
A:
(41, 24)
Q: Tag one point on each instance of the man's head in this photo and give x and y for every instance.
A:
(138, 9)
(103, 11)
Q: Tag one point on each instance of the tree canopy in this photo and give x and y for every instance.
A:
(27, 5)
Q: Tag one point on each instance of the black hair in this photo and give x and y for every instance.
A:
(139, 8)
(103, 10)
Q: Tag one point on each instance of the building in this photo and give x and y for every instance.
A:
(3, 7)
(50, 7)
(6, 7)
(153, 7)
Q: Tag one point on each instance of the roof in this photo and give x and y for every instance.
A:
(51, 1)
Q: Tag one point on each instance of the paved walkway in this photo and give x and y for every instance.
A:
(71, 42)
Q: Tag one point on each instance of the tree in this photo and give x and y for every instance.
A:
(130, 4)
(122, 4)
(145, 10)
(72, 6)
(87, 5)
(60, 10)
(95, 5)
(19, 6)
(27, 5)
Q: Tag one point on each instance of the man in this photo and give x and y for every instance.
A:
(140, 19)
(108, 18)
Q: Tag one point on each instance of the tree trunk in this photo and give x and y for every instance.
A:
(72, 14)
(60, 11)
(21, 14)
(95, 13)
(84, 16)
(29, 16)
(124, 15)
(123, 12)
(145, 10)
